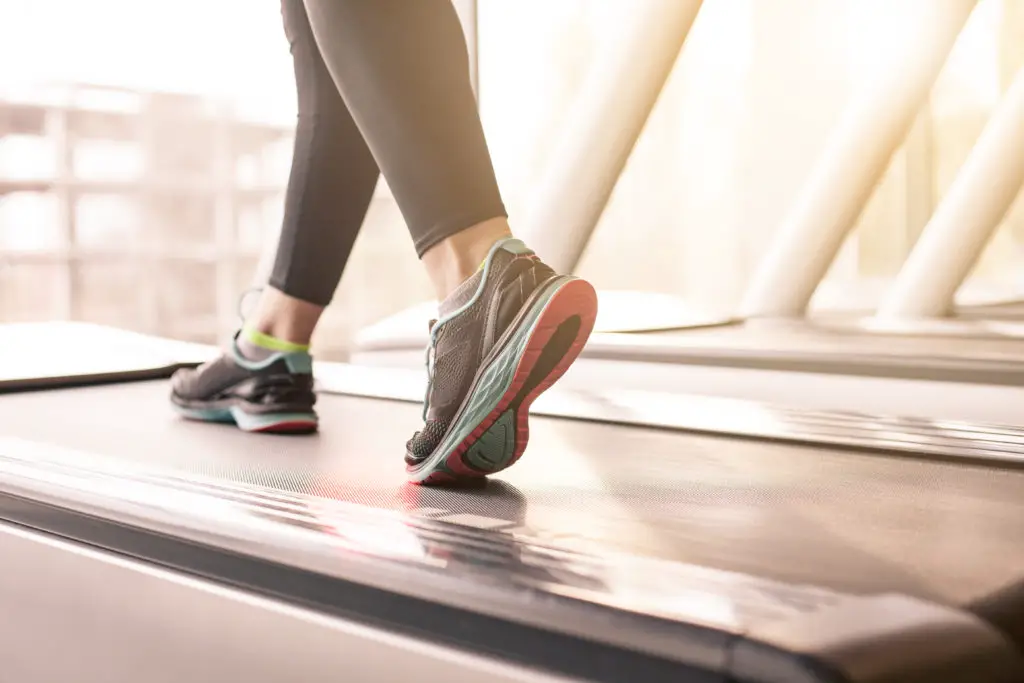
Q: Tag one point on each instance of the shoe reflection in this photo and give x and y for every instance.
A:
(486, 504)
(468, 531)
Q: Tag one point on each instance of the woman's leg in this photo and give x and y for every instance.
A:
(332, 180)
(508, 325)
(264, 383)
(403, 70)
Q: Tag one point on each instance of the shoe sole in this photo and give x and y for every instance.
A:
(269, 423)
(492, 429)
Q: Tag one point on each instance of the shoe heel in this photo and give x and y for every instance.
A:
(495, 447)
(556, 340)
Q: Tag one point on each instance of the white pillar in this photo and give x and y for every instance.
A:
(972, 209)
(605, 123)
(855, 157)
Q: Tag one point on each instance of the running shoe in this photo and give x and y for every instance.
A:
(503, 337)
(271, 395)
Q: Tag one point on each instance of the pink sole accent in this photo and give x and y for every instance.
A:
(575, 298)
(296, 427)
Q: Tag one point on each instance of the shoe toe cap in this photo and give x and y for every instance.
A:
(183, 382)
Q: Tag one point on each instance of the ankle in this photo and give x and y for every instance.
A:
(452, 261)
(251, 337)
(281, 321)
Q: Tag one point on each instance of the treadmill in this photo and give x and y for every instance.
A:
(137, 546)
(953, 369)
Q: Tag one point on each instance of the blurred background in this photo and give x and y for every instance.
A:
(145, 147)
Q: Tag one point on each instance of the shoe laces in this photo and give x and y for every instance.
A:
(436, 325)
(433, 328)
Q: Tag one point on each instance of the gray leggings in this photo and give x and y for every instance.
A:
(383, 87)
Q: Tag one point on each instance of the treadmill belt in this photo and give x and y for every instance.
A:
(853, 522)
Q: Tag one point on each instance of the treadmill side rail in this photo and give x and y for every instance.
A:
(989, 445)
(72, 613)
(878, 639)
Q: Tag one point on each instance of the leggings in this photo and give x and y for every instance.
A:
(383, 87)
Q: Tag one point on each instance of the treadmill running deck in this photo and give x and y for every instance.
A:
(848, 521)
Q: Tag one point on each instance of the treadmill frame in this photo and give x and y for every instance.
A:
(586, 611)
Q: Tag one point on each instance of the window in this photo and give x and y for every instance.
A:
(31, 291)
(983, 62)
(29, 222)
